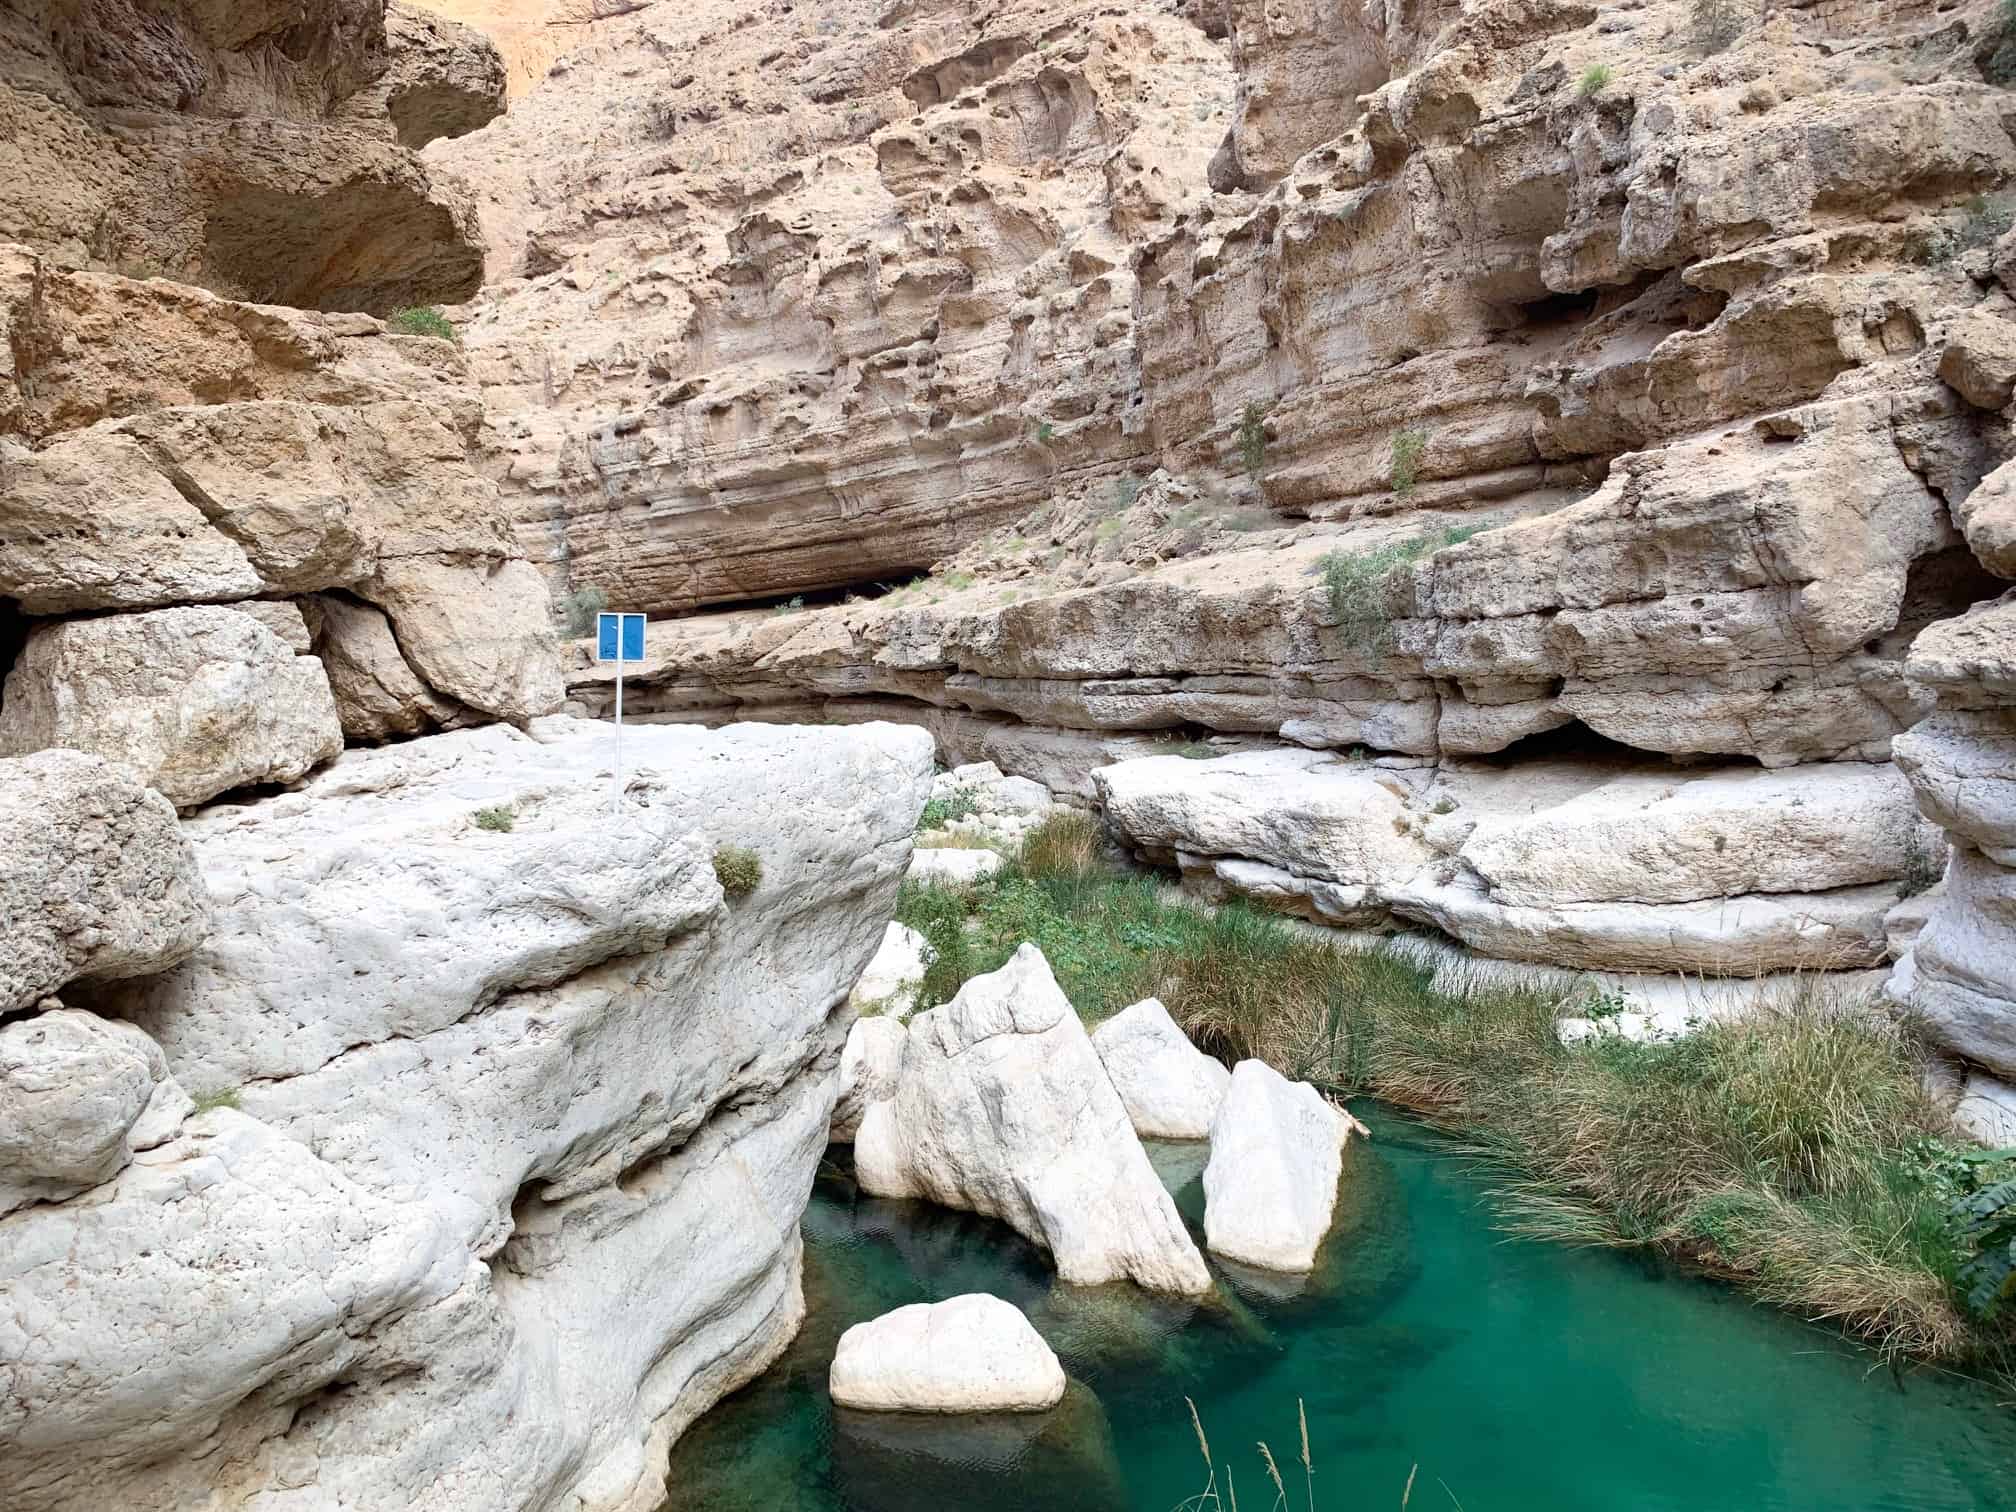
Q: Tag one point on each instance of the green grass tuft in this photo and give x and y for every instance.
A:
(1595, 79)
(423, 320)
(1357, 582)
(738, 869)
(498, 820)
(226, 1097)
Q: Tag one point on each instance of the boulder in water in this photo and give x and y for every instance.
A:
(974, 1353)
(1271, 1186)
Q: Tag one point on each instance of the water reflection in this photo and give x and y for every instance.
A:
(1523, 1376)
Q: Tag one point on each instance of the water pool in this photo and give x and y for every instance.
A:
(1519, 1377)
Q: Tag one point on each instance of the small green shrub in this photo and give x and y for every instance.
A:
(498, 819)
(1405, 460)
(1717, 23)
(1045, 431)
(958, 582)
(1979, 1190)
(225, 1098)
(738, 869)
(1444, 805)
(1253, 438)
(1595, 79)
(939, 812)
(1357, 583)
(790, 606)
(580, 608)
(1922, 870)
(1125, 491)
(423, 320)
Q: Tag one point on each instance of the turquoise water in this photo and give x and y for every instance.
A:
(1518, 1377)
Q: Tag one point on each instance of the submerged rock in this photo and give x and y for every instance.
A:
(974, 1353)
(1002, 1107)
(1270, 1189)
(1171, 1089)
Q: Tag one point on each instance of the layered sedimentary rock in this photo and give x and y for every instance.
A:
(258, 149)
(503, 1136)
(825, 308)
(161, 448)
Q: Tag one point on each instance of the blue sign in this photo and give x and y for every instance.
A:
(619, 637)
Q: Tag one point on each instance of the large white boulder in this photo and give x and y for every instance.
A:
(1002, 1107)
(463, 1244)
(1270, 1186)
(869, 1067)
(196, 701)
(1170, 1088)
(974, 1353)
(890, 982)
(96, 879)
(74, 1088)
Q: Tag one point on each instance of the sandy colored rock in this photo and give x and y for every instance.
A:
(1270, 1187)
(1980, 358)
(378, 694)
(96, 878)
(1987, 516)
(444, 79)
(973, 1353)
(1170, 1088)
(195, 701)
(212, 150)
(1003, 1108)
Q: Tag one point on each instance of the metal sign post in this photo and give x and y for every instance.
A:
(619, 638)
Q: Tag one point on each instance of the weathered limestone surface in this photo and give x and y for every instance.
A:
(1270, 1186)
(870, 1066)
(974, 1353)
(1003, 1108)
(487, 1091)
(1170, 1088)
(245, 147)
(172, 449)
(196, 701)
(96, 879)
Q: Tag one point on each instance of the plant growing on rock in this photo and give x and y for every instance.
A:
(226, 1097)
(738, 869)
(1357, 584)
(1717, 23)
(423, 320)
(498, 819)
(1253, 437)
(1405, 460)
(962, 803)
(1595, 79)
(580, 608)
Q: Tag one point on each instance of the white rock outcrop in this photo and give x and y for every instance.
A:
(96, 879)
(890, 983)
(1270, 1187)
(974, 1353)
(197, 700)
(1170, 1088)
(1003, 1108)
(956, 866)
(869, 1066)
(516, 1129)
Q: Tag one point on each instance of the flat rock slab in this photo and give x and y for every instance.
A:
(1270, 1188)
(974, 1353)
(954, 864)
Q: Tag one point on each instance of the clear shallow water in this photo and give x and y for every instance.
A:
(1523, 1377)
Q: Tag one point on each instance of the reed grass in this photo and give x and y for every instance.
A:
(1779, 1150)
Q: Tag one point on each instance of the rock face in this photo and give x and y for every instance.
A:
(750, 327)
(1961, 764)
(1170, 1088)
(1270, 1187)
(473, 1096)
(1002, 1108)
(974, 1353)
(96, 880)
(197, 701)
(889, 985)
(258, 149)
(870, 1067)
(170, 449)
